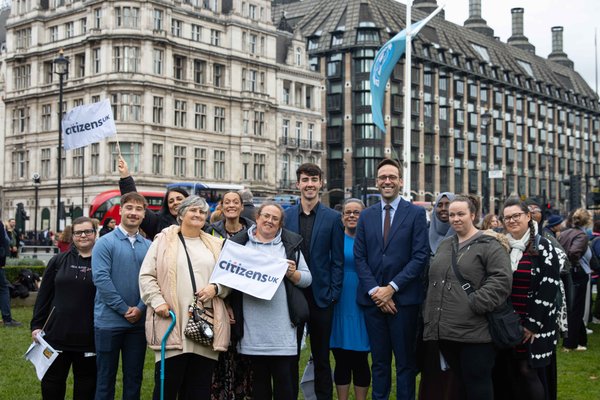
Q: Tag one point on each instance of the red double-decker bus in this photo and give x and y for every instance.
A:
(107, 204)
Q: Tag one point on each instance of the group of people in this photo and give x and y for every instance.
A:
(374, 280)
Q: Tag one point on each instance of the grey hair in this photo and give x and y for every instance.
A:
(353, 200)
(246, 195)
(191, 201)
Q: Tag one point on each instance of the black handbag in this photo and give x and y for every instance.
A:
(297, 304)
(504, 323)
(200, 325)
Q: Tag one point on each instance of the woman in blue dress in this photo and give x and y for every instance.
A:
(349, 341)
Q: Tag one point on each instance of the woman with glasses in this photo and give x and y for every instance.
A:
(64, 313)
(535, 262)
(263, 327)
(349, 340)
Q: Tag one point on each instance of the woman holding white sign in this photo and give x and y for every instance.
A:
(267, 334)
(180, 259)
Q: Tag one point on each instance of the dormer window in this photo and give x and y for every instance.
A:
(337, 38)
(367, 35)
(313, 43)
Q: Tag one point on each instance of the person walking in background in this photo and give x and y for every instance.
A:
(456, 321)
(64, 309)
(391, 251)
(118, 309)
(65, 238)
(575, 242)
(14, 237)
(181, 259)
(349, 340)
(490, 221)
(521, 372)
(109, 226)
(249, 209)
(9, 322)
(440, 228)
(153, 222)
(268, 336)
(323, 248)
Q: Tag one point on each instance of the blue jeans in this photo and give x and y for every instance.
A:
(130, 343)
(4, 297)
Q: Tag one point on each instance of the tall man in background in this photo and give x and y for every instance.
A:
(118, 309)
(391, 251)
(323, 249)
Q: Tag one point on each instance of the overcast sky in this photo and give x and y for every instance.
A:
(579, 18)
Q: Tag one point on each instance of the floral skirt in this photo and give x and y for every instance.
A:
(232, 378)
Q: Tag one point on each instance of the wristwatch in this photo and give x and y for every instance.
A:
(216, 288)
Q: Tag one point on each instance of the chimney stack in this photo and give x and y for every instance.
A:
(518, 38)
(475, 22)
(558, 55)
(428, 6)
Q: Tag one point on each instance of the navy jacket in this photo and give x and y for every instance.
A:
(326, 262)
(402, 260)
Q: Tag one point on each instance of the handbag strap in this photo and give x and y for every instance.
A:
(189, 262)
(466, 285)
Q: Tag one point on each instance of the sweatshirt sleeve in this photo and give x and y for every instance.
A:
(102, 276)
(45, 297)
(305, 276)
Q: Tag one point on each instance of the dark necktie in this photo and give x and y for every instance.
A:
(386, 222)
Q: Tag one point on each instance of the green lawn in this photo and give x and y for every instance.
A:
(578, 371)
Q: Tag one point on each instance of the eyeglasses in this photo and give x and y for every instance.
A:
(383, 178)
(270, 217)
(349, 213)
(85, 232)
(515, 217)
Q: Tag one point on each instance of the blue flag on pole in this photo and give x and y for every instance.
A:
(383, 65)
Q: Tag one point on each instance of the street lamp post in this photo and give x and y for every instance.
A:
(61, 68)
(36, 185)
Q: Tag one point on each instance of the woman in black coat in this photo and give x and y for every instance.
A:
(153, 222)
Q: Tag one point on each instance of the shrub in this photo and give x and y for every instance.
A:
(12, 271)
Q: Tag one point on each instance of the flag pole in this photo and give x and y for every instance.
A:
(406, 142)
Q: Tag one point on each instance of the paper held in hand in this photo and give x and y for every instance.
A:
(41, 355)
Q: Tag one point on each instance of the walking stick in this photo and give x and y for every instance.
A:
(162, 355)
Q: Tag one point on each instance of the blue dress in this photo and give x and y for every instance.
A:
(348, 330)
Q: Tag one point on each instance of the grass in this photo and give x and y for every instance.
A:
(578, 371)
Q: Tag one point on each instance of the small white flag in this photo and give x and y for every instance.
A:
(88, 124)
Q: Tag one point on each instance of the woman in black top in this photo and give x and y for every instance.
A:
(109, 225)
(64, 310)
(154, 222)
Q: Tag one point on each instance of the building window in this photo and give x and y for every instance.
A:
(95, 158)
(126, 59)
(158, 20)
(298, 131)
(199, 162)
(20, 120)
(252, 44)
(23, 38)
(157, 158)
(127, 107)
(252, 11)
(80, 65)
(298, 57)
(157, 110)
(46, 117)
(176, 27)
(127, 17)
(199, 71)
(158, 57)
(46, 163)
(53, 33)
(78, 161)
(246, 122)
(83, 26)
(218, 72)
(259, 123)
(96, 98)
(219, 119)
(180, 113)
(311, 132)
(48, 72)
(251, 80)
(200, 117)
(196, 33)
(69, 30)
(219, 164)
(77, 102)
(215, 37)
(179, 67)
(179, 160)
(259, 167)
(130, 151)
(285, 129)
(22, 77)
(97, 18)
(20, 164)
(96, 53)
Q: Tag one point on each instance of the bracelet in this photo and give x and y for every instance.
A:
(216, 288)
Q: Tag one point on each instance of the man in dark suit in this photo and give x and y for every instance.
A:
(391, 251)
(323, 249)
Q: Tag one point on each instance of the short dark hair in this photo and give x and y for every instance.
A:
(83, 220)
(309, 169)
(389, 161)
(133, 197)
